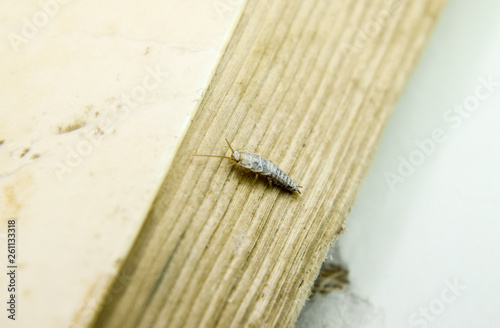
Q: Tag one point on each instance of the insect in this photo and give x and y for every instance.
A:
(260, 166)
(331, 277)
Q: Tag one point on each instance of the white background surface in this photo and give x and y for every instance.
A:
(406, 246)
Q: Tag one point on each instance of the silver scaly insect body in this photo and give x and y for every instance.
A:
(261, 166)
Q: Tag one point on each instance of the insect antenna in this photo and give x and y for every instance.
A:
(218, 155)
(229, 145)
(212, 156)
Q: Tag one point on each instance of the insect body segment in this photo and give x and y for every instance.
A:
(261, 166)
